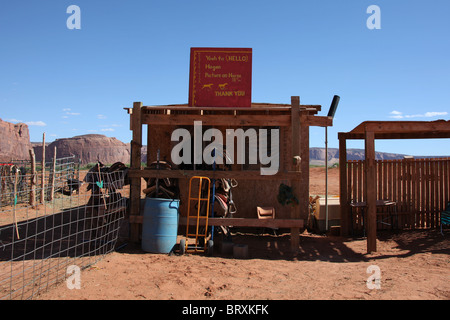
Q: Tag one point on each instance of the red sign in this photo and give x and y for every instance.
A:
(220, 77)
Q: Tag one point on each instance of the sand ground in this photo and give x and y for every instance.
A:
(412, 265)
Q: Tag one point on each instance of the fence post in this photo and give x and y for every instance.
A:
(43, 170)
(33, 179)
(52, 177)
(78, 173)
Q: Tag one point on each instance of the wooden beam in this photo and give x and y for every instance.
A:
(33, 179)
(217, 120)
(370, 192)
(238, 175)
(237, 222)
(344, 207)
(407, 126)
(245, 222)
(295, 166)
(255, 106)
(240, 120)
(135, 182)
(318, 121)
(42, 198)
(397, 135)
(401, 130)
(304, 154)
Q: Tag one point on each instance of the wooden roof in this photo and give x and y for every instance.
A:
(400, 130)
(259, 114)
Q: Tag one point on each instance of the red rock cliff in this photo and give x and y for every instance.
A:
(14, 141)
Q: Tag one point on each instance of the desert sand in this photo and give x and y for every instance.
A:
(412, 265)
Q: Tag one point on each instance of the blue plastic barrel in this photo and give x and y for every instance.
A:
(160, 225)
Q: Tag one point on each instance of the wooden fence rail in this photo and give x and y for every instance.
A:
(420, 188)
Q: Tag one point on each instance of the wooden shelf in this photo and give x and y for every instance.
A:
(238, 175)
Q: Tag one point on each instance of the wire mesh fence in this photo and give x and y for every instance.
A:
(77, 227)
(19, 178)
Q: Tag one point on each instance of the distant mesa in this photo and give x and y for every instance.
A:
(14, 142)
(89, 148)
(317, 155)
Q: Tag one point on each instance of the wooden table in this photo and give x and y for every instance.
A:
(380, 204)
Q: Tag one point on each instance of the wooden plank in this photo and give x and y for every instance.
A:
(359, 183)
(404, 187)
(256, 106)
(238, 175)
(422, 191)
(295, 166)
(285, 145)
(237, 222)
(389, 179)
(42, 198)
(399, 185)
(343, 193)
(33, 179)
(370, 182)
(52, 176)
(358, 190)
(394, 183)
(400, 136)
(245, 222)
(427, 194)
(441, 206)
(431, 193)
(446, 182)
(135, 182)
(414, 181)
(348, 188)
(408, 127)
(319, 121)
(214, 120)
(304, 182)
(408, 189)
(385, 182)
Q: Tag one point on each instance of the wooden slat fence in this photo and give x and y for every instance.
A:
(420, 187)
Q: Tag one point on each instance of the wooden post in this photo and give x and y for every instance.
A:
(344, 207)
(135, 183)
(33, 179)
(52, 179)
(43, 170)
(295, 165)
(371, 192)
(304, 168)
(16, 178)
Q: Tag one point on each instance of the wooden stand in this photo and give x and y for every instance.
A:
(369, 131)
(293, 120)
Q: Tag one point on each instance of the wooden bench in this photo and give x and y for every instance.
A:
(249, 222)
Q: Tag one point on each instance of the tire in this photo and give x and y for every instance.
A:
(210, 247)
(182, 246)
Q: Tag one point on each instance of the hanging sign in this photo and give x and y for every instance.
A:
(220, 77)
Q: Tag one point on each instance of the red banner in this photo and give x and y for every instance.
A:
(220, 77)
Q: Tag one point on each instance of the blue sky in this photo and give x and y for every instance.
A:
(71, 82)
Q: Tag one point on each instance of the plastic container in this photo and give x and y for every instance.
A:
(160, 225)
